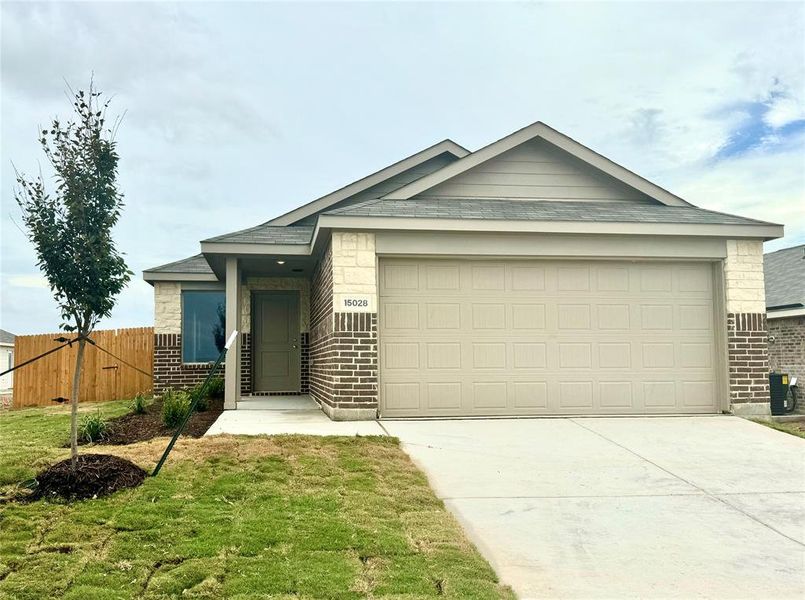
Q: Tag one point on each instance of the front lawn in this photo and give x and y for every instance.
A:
(235, 517)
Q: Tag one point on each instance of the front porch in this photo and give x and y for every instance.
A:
(268, 304)
(307, 326)
(274, 415)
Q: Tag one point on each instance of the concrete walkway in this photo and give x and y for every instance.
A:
(708, 507)
(273, 415)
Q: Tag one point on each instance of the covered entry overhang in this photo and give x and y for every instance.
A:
(267, 303)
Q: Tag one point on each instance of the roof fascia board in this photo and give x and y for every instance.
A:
(245, 248)
(324, 202)
(782, 314)
(150, 276)
(561, 141)
(765, 232)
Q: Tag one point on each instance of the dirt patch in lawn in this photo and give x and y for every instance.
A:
(93, 476)
(132, 428)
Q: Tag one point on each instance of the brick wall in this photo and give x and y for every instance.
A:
(748, 357)
(171, 372)
(355, 361)
(321, 329)
(787, 351)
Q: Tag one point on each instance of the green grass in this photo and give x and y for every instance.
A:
(236, 517)
(31, 438)
(796, 428)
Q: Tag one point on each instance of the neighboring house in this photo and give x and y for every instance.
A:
(530, 277)
(6, 360)
(785, 309)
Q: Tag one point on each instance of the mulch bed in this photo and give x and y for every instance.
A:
(94, 475)
(131, 428)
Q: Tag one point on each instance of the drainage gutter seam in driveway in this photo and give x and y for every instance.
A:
(690, 483)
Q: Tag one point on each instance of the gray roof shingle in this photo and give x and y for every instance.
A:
(193, 264)
(784, 272)
(6, 337)
(540, 210)
(267, 234)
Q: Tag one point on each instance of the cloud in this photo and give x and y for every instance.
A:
(239, 112)
(28, 281)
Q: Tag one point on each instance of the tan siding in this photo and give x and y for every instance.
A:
(535, 170)
(393, 183)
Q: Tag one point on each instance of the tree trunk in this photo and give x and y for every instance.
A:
(79, 362)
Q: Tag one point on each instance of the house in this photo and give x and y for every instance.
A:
(531, 277)
(785, 309)
(6, 360)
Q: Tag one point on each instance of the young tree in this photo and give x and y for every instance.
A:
(71, 229)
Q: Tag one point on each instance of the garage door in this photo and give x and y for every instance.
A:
(476, 337)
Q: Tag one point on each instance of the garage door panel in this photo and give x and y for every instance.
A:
(612, 279)
(695, 317)
(489, 395)
(546, 337)
(443, 355)
(527, 316)
(401, 277)
(575, 394)
(488, 277)
(530, 395)
(444, 395)
(616, 394)
(441, 315)
(657, 316)
(614, 355)
(488, 315)
(613, 316)
(400, 315)
(401, 355)
(573, 316)
(529, 355)
(573, 279)
(527, 278)
(442, 278)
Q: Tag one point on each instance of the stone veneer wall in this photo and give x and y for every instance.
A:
(787, 351)
(747, 335)
(344, 342)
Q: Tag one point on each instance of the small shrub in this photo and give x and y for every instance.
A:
(203, 401)
(93, 428)
(175, 407)
(216, 388)
(139, 405)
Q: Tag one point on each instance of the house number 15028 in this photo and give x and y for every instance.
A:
(356, 302)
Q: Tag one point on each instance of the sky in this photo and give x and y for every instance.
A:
(237, 112)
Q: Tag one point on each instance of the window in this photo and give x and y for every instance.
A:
(203, 325)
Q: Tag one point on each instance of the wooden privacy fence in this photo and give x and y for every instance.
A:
(103, 377)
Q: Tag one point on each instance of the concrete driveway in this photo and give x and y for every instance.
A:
(705, 507)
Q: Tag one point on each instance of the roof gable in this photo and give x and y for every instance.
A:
(537, 162)
(447, 151)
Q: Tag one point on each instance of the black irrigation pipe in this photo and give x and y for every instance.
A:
(197, 396)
